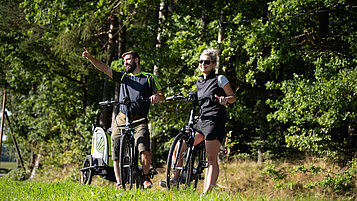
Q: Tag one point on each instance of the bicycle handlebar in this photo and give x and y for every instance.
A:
(126, 101)
(192, 97)
(176, 97)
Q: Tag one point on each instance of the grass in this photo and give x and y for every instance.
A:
(12, 190)
(239, 180)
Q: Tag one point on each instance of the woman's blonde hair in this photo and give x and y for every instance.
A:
(211, 52)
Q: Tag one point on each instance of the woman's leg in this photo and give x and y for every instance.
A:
(212, 172)
(198, 138)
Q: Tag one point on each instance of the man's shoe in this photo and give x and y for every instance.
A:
(147, 183)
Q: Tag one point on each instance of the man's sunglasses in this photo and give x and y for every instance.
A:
(204, 61)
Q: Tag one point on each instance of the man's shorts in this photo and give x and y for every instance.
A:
(141, 135)
(212, 128)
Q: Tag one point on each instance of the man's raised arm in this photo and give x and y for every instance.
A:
(98, 64)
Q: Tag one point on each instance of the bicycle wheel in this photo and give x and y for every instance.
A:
(87, 174)
(177, 161)
(138, 176)
(126, 162)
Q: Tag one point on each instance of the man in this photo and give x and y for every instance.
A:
(133, 84)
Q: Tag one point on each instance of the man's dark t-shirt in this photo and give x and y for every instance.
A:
(141, 85)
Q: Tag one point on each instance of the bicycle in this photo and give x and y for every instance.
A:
(184, 159)
(130, 170)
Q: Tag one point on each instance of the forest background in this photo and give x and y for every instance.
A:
(292, 65)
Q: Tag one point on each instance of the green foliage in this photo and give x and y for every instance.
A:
(341, 183)
(344, 182)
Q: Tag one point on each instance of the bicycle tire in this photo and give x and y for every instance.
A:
(173, 161)
(87, 175)
(138, 176)
(126, 162)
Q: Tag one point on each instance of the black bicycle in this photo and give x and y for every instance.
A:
(185, 162)
(130, 171)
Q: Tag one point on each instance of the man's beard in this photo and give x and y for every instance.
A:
(131, 68)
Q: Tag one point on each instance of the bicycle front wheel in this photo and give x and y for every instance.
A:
(126, 162)
(177, 162)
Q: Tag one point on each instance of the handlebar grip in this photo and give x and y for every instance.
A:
(103, 103)
(107, 102)
(175, 97)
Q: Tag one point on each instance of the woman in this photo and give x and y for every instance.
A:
(211, 124)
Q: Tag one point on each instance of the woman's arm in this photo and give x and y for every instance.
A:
(230, 96)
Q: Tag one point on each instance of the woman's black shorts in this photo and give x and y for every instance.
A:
(212, 128)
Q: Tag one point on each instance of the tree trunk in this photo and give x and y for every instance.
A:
(262, 126)
(204, 21)
(111, 56)
(160, 19)
(36, 166)
(2, 120)
(85, 92)
(220, 38)
(262, 96)
(121, 48)
(15, 144)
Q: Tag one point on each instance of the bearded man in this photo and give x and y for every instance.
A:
(136, 85)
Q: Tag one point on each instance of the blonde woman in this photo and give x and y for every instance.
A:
(211, 124)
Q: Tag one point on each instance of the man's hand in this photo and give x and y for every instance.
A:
(222, 100)
(154, 98)
(157, 97)
(85, 54)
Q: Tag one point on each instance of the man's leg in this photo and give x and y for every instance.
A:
(117, 171)
(142, 140)
(146, 161)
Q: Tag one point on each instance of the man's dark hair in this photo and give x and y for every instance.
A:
(134, 54)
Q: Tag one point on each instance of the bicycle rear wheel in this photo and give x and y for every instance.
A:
(87, 174)
(126, 162)
(177, 160)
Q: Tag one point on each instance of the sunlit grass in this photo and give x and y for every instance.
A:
(14, 190)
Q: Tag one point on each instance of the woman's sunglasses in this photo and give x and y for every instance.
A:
(204, 61)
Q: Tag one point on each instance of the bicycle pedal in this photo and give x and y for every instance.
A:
(153, 171)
